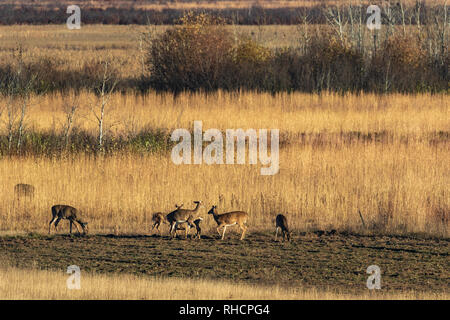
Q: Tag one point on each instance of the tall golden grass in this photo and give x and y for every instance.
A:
(385, 156)
(20, 284)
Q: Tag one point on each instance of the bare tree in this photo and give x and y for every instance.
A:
(108, 84)
(70, 106)
(337, 21)
(441, 27)
(305, 37)
(417, 10)
(402, 12)
(390, 17)
(17, 94)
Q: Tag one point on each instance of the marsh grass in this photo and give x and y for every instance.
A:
(382, 155)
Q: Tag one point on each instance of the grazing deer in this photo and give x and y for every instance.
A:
(182, 216)
(228, 219)
(69, 213)
(159, 218)
(23, 189)
(281, 223)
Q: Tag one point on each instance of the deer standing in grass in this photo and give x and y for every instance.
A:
(228, 219)
(69, 213)
(159, 218)
(182, 216)
(281, 223)
(25, 190)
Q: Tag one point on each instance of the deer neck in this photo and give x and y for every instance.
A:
(196, 208)
(216, 216)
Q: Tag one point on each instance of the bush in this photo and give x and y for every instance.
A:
(331, 65)
(192, 56)
(399, 65)
(251, 62)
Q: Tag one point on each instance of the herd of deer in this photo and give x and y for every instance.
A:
(179, 219)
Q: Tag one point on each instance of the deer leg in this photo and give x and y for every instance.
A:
(155, 225)
(244, 228)
(56, 224)
(223, 234)
(157, 228)
(50, 224)
(174, 229)
(188, 227)
(276, 233)
(218, 230)
(71, 226)
(76, 225)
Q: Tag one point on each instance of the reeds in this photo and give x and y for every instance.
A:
(384, 156)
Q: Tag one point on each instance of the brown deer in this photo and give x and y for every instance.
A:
(198, 234)
(182, 216)
(69, 213)
(281, 223)
(23, 189)
(159, 218)
(228, 219)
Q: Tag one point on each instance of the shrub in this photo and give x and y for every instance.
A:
(399, 65)
(332, 65)
(192, 56)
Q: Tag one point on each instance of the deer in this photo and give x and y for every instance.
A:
(196, 224)
(158, 218)
(281, 223)
(69, 213)
(23, 189)
(182, 216)
(228, 219)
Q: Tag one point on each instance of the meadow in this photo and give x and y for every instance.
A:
(51, 285)
(71, 49)
(363, 179)
(382, 155)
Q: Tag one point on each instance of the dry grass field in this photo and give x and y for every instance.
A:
(51, 285)
(385, 156)
(126, 44)
(71, 49)
(382, 155)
